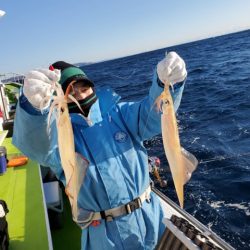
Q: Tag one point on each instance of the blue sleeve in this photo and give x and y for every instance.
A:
(31, 137)
(142, 119)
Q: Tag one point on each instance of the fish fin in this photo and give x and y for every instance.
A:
(190, 163)
(78, 178)
(82, 164)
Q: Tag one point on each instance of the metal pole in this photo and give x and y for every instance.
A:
(4, 109)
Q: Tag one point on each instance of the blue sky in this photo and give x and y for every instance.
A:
(36, 33)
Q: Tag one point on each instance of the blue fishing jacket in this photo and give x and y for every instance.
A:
(118, 170)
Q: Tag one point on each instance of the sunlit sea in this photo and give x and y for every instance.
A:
(214, 124)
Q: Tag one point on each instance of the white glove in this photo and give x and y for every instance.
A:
(37, 86)
(171, 69)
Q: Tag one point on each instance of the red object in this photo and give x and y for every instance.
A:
(95, 223)
(157, 161)
(18, 161)
(51, 68)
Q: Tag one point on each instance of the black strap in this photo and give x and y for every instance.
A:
(129, 208)
(133, 205)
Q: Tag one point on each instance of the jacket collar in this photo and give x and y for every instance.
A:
(106, 100)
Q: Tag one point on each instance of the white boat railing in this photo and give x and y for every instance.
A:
(8, 83)
(11, 77)
(172, 210)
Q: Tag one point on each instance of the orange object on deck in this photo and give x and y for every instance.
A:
(18, 161)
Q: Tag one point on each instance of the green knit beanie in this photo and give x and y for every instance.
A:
(69, 73)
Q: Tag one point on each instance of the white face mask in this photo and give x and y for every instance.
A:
(2, 212)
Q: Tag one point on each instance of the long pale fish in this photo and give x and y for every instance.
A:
(74, 165)
(181, 162)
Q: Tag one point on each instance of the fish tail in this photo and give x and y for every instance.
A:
(190, 164)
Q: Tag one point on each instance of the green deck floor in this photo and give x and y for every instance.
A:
(20, 187)
(69, 236)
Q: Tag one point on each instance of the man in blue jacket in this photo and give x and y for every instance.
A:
(115, 197)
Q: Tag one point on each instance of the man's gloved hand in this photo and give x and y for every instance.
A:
(37, 86)
(171, 69)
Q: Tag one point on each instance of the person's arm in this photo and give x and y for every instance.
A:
(30, 125)
(142, 118)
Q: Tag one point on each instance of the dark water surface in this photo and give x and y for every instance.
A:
(214, 122)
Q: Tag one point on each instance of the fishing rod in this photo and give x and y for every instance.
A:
(123, 77)
(221, 158)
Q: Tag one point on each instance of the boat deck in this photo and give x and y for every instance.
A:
(20, 187)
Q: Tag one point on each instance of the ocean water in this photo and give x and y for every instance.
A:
(214, 124)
